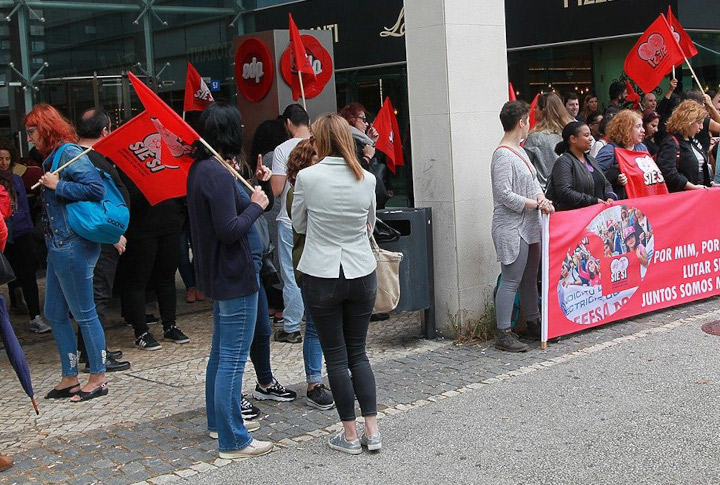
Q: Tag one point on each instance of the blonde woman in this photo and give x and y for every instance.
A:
(546, 134)
(334, 205)
(681, 159)
(624, 131)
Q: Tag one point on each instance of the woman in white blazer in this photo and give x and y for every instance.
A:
(334, 206)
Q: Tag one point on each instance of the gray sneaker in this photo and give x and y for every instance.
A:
(372, 443)
(508, 341)
(38, 325)
(319, 397)
(339, 443)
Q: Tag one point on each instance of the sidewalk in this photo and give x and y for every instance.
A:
(152, 424)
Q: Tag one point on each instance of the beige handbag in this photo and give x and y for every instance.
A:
(388, 278)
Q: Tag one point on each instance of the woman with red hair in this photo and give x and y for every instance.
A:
(71, 258)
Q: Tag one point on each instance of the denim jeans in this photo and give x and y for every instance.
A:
(233, 328)
(341, 309)
(260, 348)
(312, 351)
(292, 298)
(185, 266)
(69, 289)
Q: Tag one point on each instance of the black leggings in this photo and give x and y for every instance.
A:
(341, 311)
(21, 256)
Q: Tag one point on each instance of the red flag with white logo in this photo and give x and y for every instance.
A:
(643, 175)
(682, 37)
(197, 93)
(300, 61)
(151, 155)
(653, 56)
(388, 140)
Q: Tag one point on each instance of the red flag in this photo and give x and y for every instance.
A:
(388, 140)
(511, 92)
(533, 107)
(153, 157)
(653, 55)
(643, 175)
(682, 37)
(632, 96)
(300, 63)
(197, 93)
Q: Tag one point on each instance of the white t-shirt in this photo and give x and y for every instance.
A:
(279, 167)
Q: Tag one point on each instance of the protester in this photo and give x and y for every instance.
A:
(651, 120)
(517, 196)
(590, 105)
(71, 259)
(593, 121)
(540, 143)
(711, 122)
(571, 100)
(624, 131)
(95, 124)
(221, 217)
(577, 180)
(617, 93)
(297, 124)
(683, 162)
(334, 206)
(601, 139)
(649, 102)
(19, 248)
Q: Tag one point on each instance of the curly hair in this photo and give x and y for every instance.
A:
(9, 146)
(302, 156)
(52, 127)
(687, 113)
(620, 128)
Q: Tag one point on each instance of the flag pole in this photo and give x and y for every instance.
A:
(692, 71)
(674, 73)
(60, 169)
(227, 165)
(302, 90)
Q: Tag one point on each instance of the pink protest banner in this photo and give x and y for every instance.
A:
(605, 263)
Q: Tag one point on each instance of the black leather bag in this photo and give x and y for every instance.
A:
(6, 272)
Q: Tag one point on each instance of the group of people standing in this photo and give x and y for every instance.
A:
(568, 160)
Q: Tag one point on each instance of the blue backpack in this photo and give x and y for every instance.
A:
(101, 222)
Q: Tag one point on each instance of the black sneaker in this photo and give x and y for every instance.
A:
(278, 320)
(289, 337)
(150, 319)
(320, 397)
(112, 365)
(276, 392)
(146, 341)
(174, 334)
(249, 411)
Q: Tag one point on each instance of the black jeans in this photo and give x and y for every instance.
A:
(21, 257)
(156, 256)
(341, 310)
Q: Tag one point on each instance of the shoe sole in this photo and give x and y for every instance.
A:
(124, 368)
(349, 451)
(248, 417)
(177, 341)
(321, 407)
(514, 351)
(233, 456)
(271, 397)
(33, 330)
(148, 348)
(374, 447)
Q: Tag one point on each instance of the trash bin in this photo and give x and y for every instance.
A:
(416, 269)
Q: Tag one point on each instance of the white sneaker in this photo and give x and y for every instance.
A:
(249, 425)
(255, 448)
(38, 325)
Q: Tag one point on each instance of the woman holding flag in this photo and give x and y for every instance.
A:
(624, 131)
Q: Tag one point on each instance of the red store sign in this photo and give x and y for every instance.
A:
(320, 60)
(254, 69)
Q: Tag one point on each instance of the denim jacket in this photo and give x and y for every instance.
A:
(79, 181)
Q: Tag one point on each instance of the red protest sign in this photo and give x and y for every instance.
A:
(644, 176)
(154, 158)
(682, 37)
(653, 56)
(197, 93)
(254, 71)
(388, 140)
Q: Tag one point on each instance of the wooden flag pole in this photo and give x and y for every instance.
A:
(302, 90)
(692, 71)
(60, 169)
(674, 73)
(227, 165)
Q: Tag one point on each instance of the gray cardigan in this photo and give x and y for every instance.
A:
(513, 181)
(540, 147)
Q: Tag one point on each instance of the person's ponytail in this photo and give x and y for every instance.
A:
(571, 129)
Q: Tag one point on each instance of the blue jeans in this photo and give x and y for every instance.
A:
(69, 289)
(292, 298)
(312, 352)
(260, 349)
(185, 266)
(233, 328)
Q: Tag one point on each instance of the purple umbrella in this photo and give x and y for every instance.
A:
(15, 353)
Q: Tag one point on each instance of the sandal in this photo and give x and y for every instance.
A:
(62, 393)
(101, 390)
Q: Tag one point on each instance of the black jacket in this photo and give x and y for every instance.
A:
(678, 163)
(572, 185)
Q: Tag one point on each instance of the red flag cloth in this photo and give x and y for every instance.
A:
(197, 93)
(300, 63)
(533, 107)
(632, 96)
(653, 55)
(139, 149)
(644, 176)
(511, 93)
(682, 37)
(388, 140)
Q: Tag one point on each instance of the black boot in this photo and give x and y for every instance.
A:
(506, 340)
(533, 330)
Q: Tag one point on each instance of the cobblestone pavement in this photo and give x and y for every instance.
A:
(151, 427)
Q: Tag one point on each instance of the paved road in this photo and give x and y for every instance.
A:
(643, 411)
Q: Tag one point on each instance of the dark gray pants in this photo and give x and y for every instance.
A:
(520, 274)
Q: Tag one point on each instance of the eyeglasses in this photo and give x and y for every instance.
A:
(363, 117)
(31, 130)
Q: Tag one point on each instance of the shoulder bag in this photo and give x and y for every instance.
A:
(388, 278)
